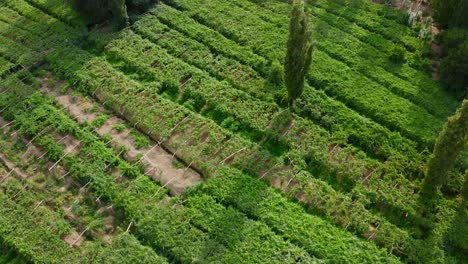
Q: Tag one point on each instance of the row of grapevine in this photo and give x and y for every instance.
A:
(43, 202)
(136, 198)
(33, 237)
(5, 66)
(87, 167)
(190, 231)
(35, 233)
(364, 58)
(263, 202)
(33, 35)
(141, 110)
(276, 16)
(335, 77)
(190, 204)
(383, 11)
(45, 23)
(372, 21)
(368, 136)
(252, 115)
(198, 55)
(224, 107)
(60, 10)
(15, 52)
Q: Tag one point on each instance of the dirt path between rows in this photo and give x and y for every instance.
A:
(159, 164)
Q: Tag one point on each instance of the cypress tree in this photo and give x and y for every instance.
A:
(299, 51)
(450, 143)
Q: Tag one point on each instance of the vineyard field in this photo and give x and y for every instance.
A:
(168, 141)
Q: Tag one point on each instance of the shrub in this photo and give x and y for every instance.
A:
(170, 86)
(275, 78)
(418, 61)
(119, 127)
(397, 54)
(141, 141)
(281, 97)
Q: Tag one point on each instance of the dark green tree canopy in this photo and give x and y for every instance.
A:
(97, 11)
(450, 13)
(452, 139)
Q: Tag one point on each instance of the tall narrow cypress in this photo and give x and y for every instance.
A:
(450, 143)
(299, 51)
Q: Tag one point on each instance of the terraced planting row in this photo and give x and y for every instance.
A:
(217, 65)
(251, 115)
(423, 80)
(183, 150)
(364, 58)
(372, 20)
(331, 75)
(15, 52)
(362, 137)
(157, 163)
(268, 253)
(137, 210)
(363, 132)
(372, 38)
(46, 24)
(5, 66)
(53, 214)
(59, 10)
(53, 147)
(344, 124)
(194, 157)
(204, 105)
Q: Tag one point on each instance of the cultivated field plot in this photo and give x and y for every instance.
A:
(165, 142)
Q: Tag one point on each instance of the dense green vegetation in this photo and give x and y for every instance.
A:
(199, 88)
(102, 11)
(451, 16)
(451, 141)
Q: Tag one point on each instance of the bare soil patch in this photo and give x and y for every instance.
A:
(158, 162)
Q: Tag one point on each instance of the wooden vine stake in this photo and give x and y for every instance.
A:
(230, 156)
(8, 175)
(37, 206)
(270, 169)
(64, 155)
(178, 148)
(78, 238)
(19, 192)
(129, 226)
(7, 124)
